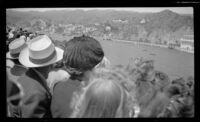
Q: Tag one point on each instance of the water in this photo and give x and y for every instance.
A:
(173, 62)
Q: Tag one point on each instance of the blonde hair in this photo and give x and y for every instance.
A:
(104, 97)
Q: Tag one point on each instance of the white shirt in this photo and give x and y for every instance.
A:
(55, 77)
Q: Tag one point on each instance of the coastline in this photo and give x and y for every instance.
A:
(151, 44)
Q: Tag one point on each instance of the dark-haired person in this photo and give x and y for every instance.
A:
(82, 56)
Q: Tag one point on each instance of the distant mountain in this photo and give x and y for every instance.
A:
(159, 27)
(169, 20)
(88, 17)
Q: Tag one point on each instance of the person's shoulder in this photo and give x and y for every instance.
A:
(68, 86)
(62, 94)
(25, 77)
(29, 83)
(64, 84)
(32, 88)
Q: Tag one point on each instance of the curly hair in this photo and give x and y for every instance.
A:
(82, 54)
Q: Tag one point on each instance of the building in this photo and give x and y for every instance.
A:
(120, 21)
(187, 42)
(143, 21)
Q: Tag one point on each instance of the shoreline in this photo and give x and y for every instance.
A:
(143, 43)
(150, 44)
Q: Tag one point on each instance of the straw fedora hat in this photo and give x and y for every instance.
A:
(40, 52)
(15, 47)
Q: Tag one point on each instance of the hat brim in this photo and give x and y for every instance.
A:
(24, 58)
(8, 55)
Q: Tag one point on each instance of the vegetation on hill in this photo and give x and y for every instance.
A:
(162, 27)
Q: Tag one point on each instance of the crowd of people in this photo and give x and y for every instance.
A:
(78, 81)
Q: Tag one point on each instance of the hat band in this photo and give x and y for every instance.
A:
(15, 55)
(43, 60)
(17, 50)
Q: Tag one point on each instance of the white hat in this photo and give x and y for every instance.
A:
(40, 52)
(15, 48)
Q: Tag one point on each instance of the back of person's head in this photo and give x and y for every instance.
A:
(104, 97)
(82, 54)
(101, 100)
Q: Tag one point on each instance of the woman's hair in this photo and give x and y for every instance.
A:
(82, 54)
(104, 97)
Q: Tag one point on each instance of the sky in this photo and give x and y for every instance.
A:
(180, 10)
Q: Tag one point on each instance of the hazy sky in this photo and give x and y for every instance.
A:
(181, 10)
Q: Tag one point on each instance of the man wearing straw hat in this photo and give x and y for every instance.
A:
(13, 71)
(38, 56)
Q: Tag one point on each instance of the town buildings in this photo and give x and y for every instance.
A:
(187, 42)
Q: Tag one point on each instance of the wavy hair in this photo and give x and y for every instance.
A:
(104, 97)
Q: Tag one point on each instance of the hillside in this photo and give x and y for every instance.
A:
(158, 27)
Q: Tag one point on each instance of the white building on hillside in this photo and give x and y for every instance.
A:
(143, 21)
(187, 42)
(120, 21)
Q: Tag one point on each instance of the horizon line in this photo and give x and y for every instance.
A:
(179, 10)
